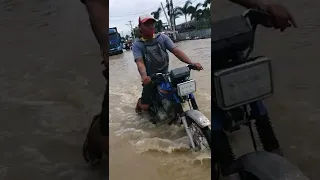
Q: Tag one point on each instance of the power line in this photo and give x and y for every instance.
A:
(151, 9)
(130, 24)
(134, 14)
(163, 15)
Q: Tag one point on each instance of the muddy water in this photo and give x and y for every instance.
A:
(50, 87)
(141, 150)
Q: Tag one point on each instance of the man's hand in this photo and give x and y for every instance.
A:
(198, 66)
(281, 18)
(146, 80)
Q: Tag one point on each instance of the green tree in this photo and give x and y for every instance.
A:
(169, 6)
(207, 3)
(176, 14)
(196, 12)
(186, 9)
(156, 15)
(207, 9)
(206, 13)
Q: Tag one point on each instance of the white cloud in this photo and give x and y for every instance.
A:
(123, 11)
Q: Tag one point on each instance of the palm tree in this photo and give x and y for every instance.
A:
(176, 14)
(196, 12)
(156, 15)
(207, 3)
(206, 13)
(186, 9)
(170, 13)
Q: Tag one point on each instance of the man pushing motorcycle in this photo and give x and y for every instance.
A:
(98, 11)
(150, 55)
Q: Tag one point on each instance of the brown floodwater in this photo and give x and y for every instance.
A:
(141, 149)
(51, 86)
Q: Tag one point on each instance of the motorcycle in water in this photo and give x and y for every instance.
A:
(128, 45)
(174, 91)
(240, 82)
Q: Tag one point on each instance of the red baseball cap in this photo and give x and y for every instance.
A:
(146, 17)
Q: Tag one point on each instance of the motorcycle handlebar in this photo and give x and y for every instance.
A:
(156, 75)
(191, 67)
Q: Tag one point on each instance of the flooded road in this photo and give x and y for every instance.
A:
(141, 150)
(50, 87)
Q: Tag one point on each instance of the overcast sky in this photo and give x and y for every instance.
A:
(123, 11)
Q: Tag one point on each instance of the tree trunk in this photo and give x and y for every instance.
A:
(185, 16)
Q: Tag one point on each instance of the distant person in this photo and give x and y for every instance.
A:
(150, 55)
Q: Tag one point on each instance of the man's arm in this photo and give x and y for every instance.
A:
(175, 50)
(181, 55)
(98, 11)
(138, 58)
(141, 68)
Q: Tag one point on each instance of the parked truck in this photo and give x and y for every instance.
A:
(115, 45)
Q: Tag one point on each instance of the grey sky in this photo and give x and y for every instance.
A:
(122, 11)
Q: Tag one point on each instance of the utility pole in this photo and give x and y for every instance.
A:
(171, 23)
(169, 14)
(130, 24)
(164, 11)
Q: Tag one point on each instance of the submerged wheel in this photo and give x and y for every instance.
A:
(201, 136)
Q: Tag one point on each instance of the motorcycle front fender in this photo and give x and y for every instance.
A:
(198, 117)
(268, 166)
